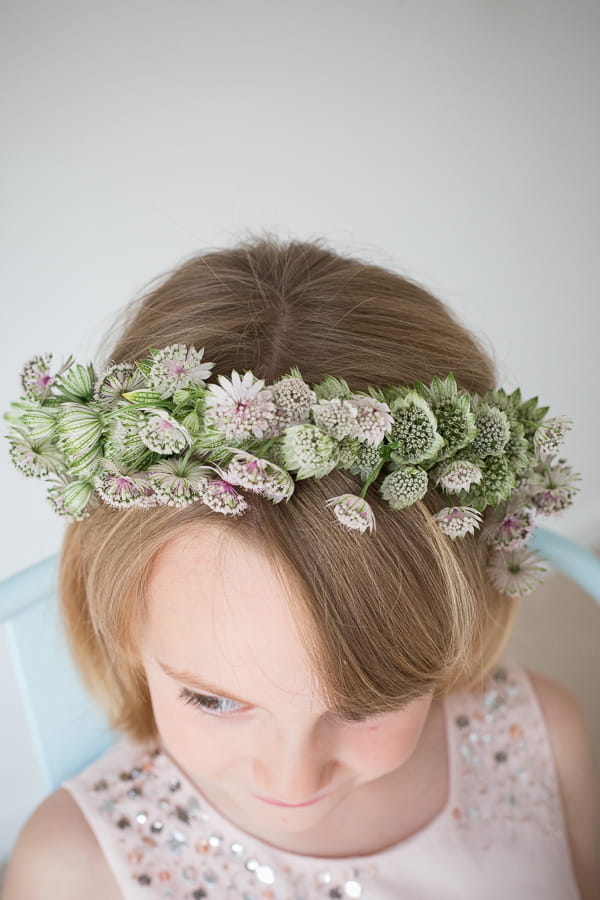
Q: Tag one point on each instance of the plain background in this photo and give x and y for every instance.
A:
(456, 142)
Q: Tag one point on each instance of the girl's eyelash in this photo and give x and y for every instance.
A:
(207, 702)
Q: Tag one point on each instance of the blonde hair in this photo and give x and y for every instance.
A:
(385, 616)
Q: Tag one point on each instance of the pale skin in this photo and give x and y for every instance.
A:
(226, 619)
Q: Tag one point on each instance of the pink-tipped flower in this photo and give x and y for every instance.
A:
(550, 435)
(222, 496)
(262, 476)
(373, 420)
(122, 490)
(510, 530)
(36, 379)
(115, 381)
(178, 483)
(457, 521)
(163, 434)
(558, 488)
(239, 407)
(178, 367)
(353, 512)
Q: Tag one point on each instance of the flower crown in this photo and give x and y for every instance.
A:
(153, 432)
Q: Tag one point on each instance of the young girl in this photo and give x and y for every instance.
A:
(310, 695)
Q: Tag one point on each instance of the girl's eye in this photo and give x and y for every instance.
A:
(218, 706)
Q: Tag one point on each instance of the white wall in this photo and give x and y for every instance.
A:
(455, 141)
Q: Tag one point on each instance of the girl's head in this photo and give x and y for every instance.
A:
(303, 620)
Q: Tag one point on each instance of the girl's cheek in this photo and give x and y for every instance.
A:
(377, 750)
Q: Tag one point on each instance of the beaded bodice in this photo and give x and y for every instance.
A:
(500, 834)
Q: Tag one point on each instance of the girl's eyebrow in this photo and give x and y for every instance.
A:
(199, 684)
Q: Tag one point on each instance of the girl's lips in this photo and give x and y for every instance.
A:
(289, 805)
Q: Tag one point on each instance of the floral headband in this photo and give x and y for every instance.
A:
(153, 432)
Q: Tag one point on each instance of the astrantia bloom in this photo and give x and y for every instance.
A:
(71, 498)
(309, 450)
(117, 380)
(457, 521)
(516, 572)
(34, 459)
(178, 483)
(163, 434)
(414, 431)
(178, 367)
(123, 443)
(36, 379)
(222, 496)
(239, 407)
(458, 475)
(293, 399)
(353, 512)
(508, 527)
(262, 476)
(79, 428)
(549, 436)
(404, 486)
(558, 489)
(373, 420)
(123, 490)
(494, 430)
(336, 417)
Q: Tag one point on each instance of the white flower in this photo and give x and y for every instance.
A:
(558, 489)
(117, 380)
(163, 434)
(262, 476)
(293, 399)
(516, 573)
(335, 417)
(457, 521)
(71, 498)
(508, 527)
(239, 408)
(549, 436)
(458, 475)
(178, 483)
(123, 490)
(373, 420)
(34, 459)
(178, 367)
(353, 512)
(79, 427)
(222, 496)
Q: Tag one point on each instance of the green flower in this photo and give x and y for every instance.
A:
(452, 411)
(493, 430)
(404, 486)
(309, 450)
(79, 428)
(414, 432)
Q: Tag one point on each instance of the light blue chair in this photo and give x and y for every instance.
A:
(68, 730)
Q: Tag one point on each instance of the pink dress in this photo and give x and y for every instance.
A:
(501, 835)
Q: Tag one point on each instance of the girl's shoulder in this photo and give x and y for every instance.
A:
(57, 847)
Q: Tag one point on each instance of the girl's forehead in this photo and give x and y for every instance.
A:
(217, 608)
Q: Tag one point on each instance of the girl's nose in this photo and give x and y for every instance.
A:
(292, 770)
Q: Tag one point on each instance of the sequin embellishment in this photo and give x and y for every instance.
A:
(500, 791)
